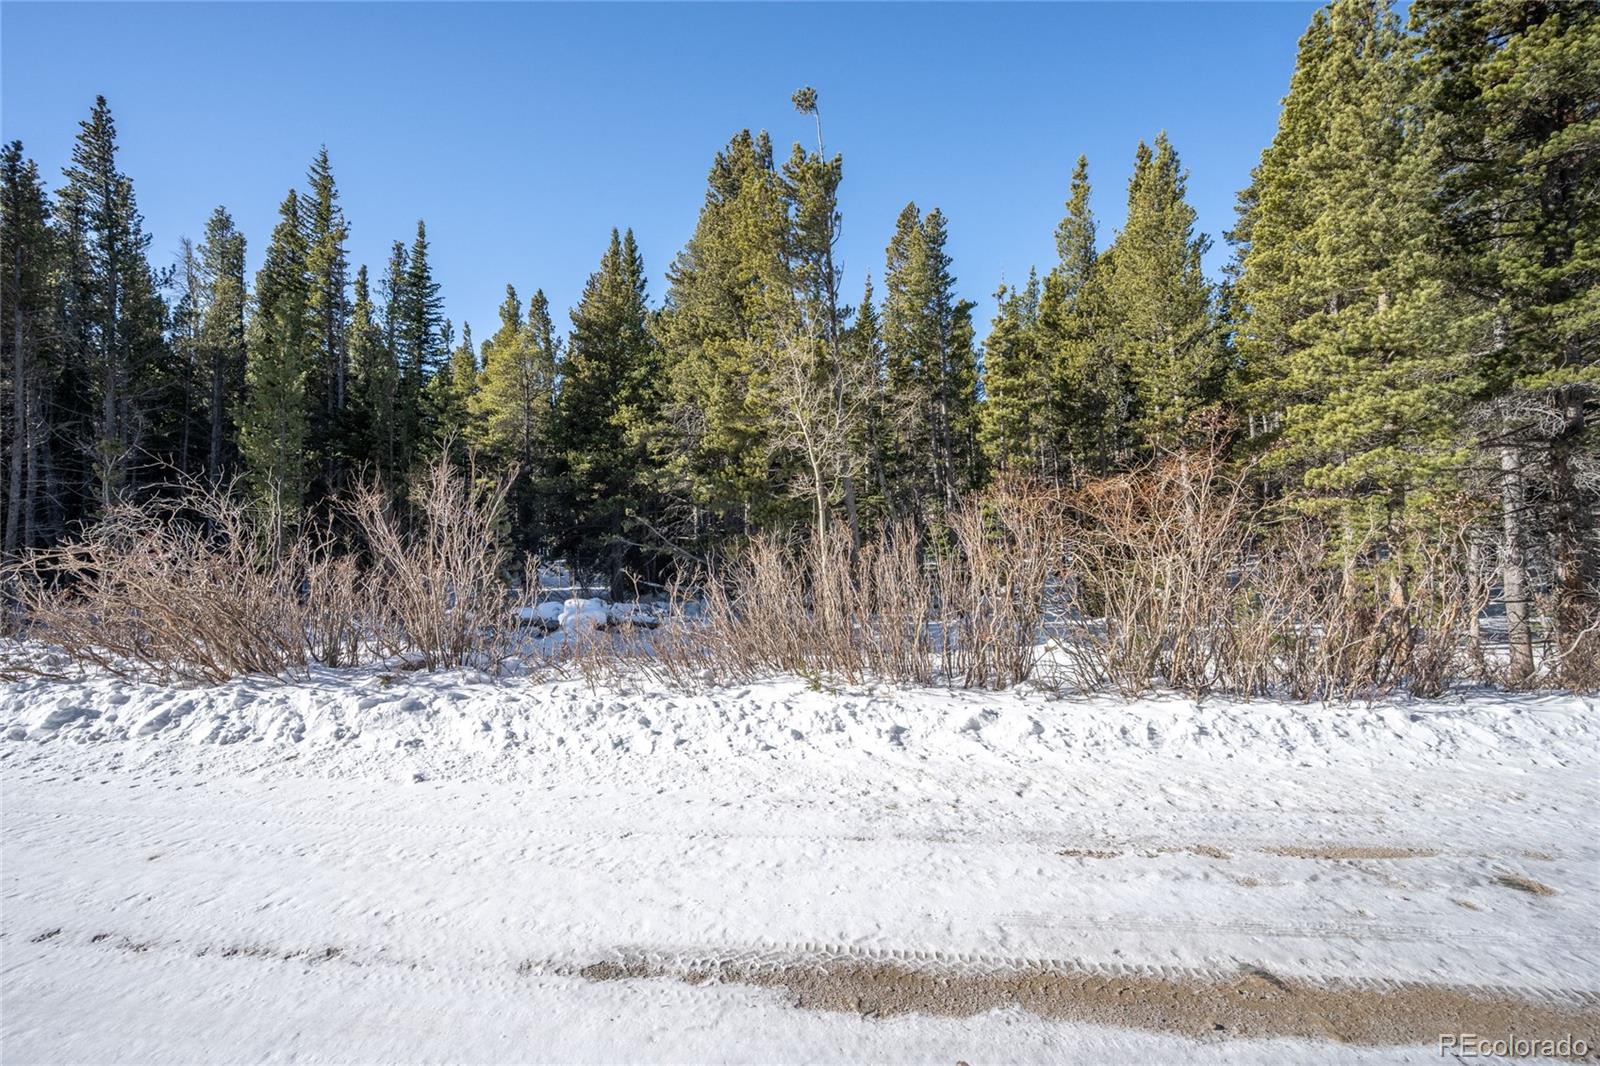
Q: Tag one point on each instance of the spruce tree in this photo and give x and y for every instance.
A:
(222, 339)
(418, 314)
(931, 369)
(393, 438)
(1508, 92)
(453, 390)
(376, 383)
(607, 385)
(27, 312)
(185, 409)
(1159, 302)
(1014, 427)
(115, 315)
(1089, 409)
(729, 306)
(276, 421)
(1348, 335)
(327, 321)
(514, 411)
(864, 349)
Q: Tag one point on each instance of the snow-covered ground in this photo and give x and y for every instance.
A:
(408, 867)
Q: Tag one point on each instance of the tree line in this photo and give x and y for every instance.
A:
(1406, 334)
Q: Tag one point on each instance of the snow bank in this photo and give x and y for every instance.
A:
(194, 874)
(579, 615)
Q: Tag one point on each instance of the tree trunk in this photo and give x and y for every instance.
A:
(851, 516)
(1577, 571)
(1514, 564)
(214, 459)
(19, 420)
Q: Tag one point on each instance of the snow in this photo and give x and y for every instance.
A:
(583, 615)
(364, 866)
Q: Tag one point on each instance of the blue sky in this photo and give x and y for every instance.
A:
(524, 132)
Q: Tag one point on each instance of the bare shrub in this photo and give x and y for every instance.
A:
(1008, 546)
(433, 587)
(199, 588)
(1154, 556)
(1179, 579)
(968, 612)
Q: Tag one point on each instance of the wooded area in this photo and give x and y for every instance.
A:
(1402, 354)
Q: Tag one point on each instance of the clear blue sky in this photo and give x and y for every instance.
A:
(524, 132)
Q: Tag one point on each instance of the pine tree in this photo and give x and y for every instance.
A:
(327, 321)
(184, 405)
(931, 369)
(1013, 428)
(1160, 304)
(729, 306)
(417, 313)
(392, 439)
(1509, 91)
(1090, 405)
(607, 385)
(515, 410)
(116, 316)
(453, 391)
(376, 383)
(274, 429)
(222, 339)
(27, 309)
(864, 349)
(1339, 303)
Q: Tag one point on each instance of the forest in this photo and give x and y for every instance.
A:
(1386, 404)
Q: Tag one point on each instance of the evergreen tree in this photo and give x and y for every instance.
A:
(376, 385)
(1160, 303)
(185, 406)
(1014, 426)
(327, 321)
(864, 349)
(607, 385)
(515, 412)
(729, 307)
(27, 309)
(222, 339)
(273, 433)
(1090, 405)
(1509, 92)
(116, 316)
(931, 369)
(453, 389)
(392, 435)
(1339, 303)
(417, 312)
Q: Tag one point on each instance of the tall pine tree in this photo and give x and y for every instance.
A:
(1510, 92)
(27, 312)
(1014, 427)
(273, 434)
(729, 306)
(1159, 302)
(115, 312)
(1090, 404)
(222, 339)
(327, 322)
(931, 370)
(608, 390)
(1354, 351)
